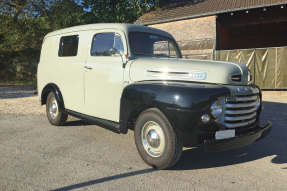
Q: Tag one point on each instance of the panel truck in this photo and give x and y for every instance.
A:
(131, 77)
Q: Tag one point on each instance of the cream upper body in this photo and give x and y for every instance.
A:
(187, 70)
(93, 84)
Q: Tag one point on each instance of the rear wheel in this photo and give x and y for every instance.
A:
(55, 116)
(157, 143)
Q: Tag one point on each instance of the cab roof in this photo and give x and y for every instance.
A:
(127, 28)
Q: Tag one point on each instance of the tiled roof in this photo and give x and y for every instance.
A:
(196, 8)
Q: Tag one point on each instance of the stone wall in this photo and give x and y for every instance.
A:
(191, 30)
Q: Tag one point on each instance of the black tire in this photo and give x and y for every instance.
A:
(156, 141)
(55, 116)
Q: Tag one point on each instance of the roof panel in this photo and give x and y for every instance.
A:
(193, 8)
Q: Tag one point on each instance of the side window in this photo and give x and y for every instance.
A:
(107, 44)
(69, 46)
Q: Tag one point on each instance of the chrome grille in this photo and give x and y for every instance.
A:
(241, 110)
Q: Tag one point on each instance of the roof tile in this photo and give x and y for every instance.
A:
(192, 8)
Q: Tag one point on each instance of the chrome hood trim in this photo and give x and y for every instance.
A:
(176, 74)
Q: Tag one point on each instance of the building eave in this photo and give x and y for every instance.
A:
(214, 13)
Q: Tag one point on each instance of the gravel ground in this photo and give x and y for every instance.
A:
(35, 155)
(20, 100)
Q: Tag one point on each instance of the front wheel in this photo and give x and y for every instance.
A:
(157, 143)
(55, 116)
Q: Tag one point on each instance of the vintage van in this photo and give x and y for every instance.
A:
(124, 76)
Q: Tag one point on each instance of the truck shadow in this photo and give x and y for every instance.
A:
(106, 179)
(274, 144)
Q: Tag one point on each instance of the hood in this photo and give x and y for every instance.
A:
(206, 71)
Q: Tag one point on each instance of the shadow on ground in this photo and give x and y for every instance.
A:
(106, 179)
(274, 144)
(8, 92)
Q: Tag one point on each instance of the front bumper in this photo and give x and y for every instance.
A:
(212, 145)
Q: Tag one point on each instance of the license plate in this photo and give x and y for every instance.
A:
(224, 134)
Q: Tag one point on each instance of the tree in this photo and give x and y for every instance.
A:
(24, 23)
(116, 11)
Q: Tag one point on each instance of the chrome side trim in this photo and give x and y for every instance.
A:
(167, 71)
(171, 74)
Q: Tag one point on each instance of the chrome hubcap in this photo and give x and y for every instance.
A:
(153, 139)
(53, 108)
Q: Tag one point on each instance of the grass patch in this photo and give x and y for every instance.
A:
(19, 83)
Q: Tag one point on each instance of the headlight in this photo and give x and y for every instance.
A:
(216, 108)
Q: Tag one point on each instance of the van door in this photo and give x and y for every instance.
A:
(104, 74)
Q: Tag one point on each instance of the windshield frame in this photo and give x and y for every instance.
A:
(172, 40)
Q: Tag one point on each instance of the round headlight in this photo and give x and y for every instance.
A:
(216, 108)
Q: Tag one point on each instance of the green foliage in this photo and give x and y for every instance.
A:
(24, 23)
(116, 11)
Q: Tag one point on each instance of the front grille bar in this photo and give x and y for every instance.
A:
(240, 105)
(240, 110)
(234, 125)
(237, 118)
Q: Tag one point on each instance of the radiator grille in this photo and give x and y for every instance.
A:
(241, 110)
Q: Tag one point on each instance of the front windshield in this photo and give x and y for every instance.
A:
(145, 44)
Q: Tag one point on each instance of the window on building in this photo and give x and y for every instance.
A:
(69, 46)
(107, 44)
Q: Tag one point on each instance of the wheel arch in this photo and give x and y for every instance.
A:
(170, 98)
(51, 87)
(137, 98)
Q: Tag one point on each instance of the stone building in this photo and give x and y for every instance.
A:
(201, 26)
(253, 32)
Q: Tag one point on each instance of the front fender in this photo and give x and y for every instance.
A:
(170, 98)
(138, 97)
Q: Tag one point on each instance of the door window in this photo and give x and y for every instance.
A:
(107, 44)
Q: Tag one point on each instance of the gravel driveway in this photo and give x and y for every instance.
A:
(20, 100)
(35, 155)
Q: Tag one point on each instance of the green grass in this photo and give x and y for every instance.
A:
(20, 82)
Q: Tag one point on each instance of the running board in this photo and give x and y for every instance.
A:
(112, 126)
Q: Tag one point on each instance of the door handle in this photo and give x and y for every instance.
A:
(87, 67)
